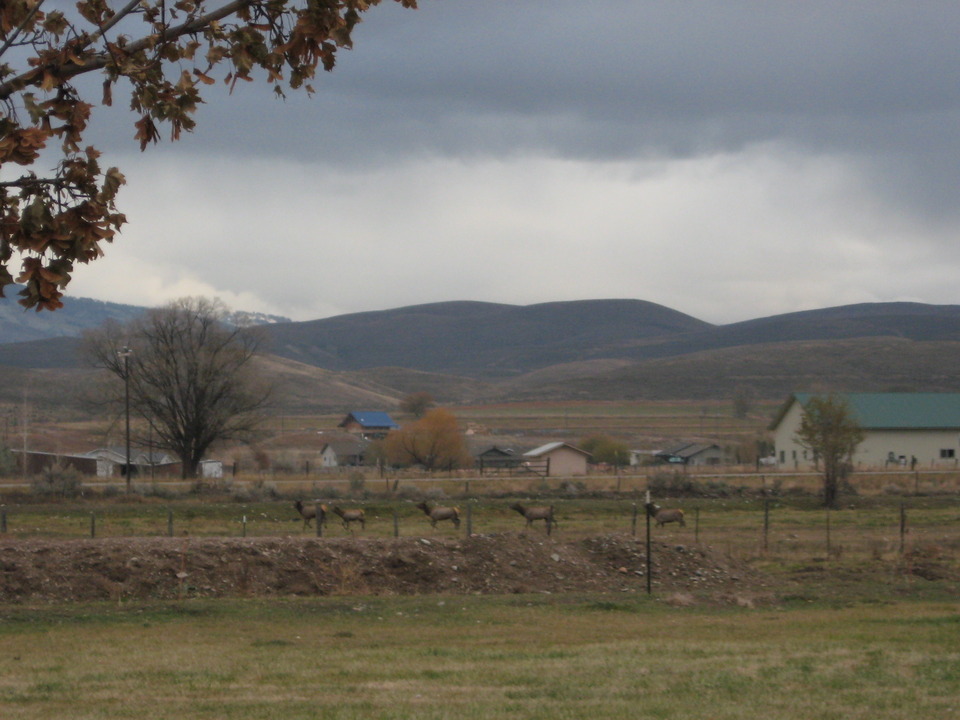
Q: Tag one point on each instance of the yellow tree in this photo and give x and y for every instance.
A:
(164, 52)
(434, 442)
(829, 429)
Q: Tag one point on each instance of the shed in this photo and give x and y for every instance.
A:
(692, 454)
(368, 424)
(561, 458)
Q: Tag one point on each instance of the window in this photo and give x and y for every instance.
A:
(946, 453)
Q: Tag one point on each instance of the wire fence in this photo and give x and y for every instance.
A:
(770, 528)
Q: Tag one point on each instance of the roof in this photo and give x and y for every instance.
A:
(345, 446)
(687, 450)
(550, 447)
(894, 411)
(370, 419)
(494, 450)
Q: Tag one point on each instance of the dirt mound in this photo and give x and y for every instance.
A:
(167, 568)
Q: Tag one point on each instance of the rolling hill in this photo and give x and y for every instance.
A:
(463, 352)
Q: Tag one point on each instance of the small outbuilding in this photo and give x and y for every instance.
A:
(343, 452)
(559, 459)
(368, 424)
(692, 454)
(497, 458)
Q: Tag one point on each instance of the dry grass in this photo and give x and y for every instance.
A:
(492, 658)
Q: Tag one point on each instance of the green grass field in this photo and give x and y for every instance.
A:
(470, 657)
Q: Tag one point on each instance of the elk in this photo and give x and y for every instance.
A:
(543, 512)
(309, 512)
(436, 514)
(662, 516)
(351, 516)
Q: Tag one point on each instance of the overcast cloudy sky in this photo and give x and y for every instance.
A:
(731, 160)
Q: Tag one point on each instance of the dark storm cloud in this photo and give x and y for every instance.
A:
(781, 141)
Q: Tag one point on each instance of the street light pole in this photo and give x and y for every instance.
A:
(125, 354)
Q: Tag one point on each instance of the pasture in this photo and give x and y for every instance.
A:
(501, 657)
(747, 528)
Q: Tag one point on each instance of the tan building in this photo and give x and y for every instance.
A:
(901, 429)
(560, 459)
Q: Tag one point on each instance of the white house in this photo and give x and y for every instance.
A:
(904, 429)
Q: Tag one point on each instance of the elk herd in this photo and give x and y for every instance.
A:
(438, 513)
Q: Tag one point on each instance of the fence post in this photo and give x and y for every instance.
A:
(828, 534)
(244, 534)
(633, 521)
(396, 524)
(649, 549)
(3, 522)
(696, 525)
(93, 525)
(903, 527)
(766, 525)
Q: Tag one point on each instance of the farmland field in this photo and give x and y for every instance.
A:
(757, 609)
(524, 656)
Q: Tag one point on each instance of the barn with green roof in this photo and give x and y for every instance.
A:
(902, 429)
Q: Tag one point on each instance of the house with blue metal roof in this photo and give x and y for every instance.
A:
(900, 429)
(370, 425)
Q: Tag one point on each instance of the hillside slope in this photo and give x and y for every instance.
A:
(481, 340)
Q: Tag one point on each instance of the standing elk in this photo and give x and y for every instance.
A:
(436, 514)
(661, 516)
(309, 512)
(543, 512)
(351, 516)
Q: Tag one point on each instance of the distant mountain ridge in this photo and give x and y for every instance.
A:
(18, 324)
(466, 351)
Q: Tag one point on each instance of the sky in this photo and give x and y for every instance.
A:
(731, 160)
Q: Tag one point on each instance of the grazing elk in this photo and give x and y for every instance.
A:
(436, 514)
(351, 516)
(543, 512)
(309, 512)
(661, 516)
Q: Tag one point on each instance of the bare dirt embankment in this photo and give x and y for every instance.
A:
(36, 570)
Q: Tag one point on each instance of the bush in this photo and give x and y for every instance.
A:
(8, 463)
(409, 492)
(155, 490)
(572, 487)
(57, 480)
(357, 483)
(326, 492)
(674, 485)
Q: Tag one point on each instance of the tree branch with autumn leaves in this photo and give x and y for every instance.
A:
(165, 51)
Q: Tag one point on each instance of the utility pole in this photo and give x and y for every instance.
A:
(125, 353)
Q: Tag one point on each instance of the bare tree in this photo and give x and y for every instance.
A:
(417, 403)
(189, 376)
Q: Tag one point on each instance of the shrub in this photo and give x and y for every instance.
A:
(326, 492)
(572, 487)
(409, 492)
(674, 485)
(357, 483)
(57, 480)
